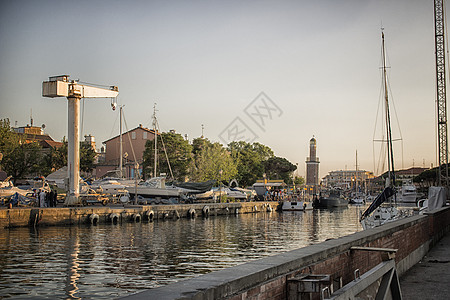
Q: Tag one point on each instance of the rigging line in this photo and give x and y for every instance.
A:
(114, 126)
(378, 163)
(165, 151)
(391, 98)
(129, 138)
(82, 116)
(94, 84)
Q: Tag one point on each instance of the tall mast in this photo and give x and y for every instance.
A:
(439, 31)
(156, 139)
(120, 144)
(390, 153)
(356, 175)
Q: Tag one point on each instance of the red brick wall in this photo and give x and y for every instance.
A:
(406, 239)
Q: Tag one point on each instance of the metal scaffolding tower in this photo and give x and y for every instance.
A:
(441, 90)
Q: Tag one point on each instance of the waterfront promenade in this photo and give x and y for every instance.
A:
(429, 278)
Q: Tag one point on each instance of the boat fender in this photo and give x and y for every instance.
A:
(205, 211)
(149, 214)
(227, 209)
(136, 218)
(165, 216)
(191, 213)
(304, 206)
(255, 209)
(124, 199)
(269, 208)
(176, 214)
(93, 219)
(114, 218)
(236, 211)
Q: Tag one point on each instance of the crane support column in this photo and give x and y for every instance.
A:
(73, 155)
(60, 86)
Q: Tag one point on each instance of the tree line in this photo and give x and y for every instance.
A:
(204, 160)
(200, 160)
(22, 158)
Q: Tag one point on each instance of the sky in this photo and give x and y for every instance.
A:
(273, 72)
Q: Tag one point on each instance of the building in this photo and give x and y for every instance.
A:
(312, 168)
(31, 134)
(346, 179)
(409, 174)
(133, 141)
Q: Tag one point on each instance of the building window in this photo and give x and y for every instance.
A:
(144, 135)
(133, 135)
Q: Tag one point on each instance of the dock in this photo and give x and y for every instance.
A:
(94, 215)
(430, 277)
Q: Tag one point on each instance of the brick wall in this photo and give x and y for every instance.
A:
(267, 278)
(407, 238)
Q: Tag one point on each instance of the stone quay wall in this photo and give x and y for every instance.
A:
(23, 217)
(267, 278)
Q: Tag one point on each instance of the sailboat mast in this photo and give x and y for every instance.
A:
(356, 175)
(120, 144)
(156, 139)
(390, 154)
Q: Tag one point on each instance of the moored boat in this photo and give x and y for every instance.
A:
(329, 199)
(408, 192)
(296, 205)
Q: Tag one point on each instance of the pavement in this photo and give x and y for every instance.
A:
(430, 278)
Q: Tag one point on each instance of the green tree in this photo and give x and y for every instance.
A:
(55, 159)
(280, 168)
(250, 159)
(299, 180)
(8, 139)
(87, 157)
(212, 162)
(24, 160)
(179, 155)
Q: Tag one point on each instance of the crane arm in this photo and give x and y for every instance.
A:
(60, 86)
(86, 91)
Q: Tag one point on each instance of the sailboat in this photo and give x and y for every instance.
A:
(375, 214)
(155, 187)
(357, 197)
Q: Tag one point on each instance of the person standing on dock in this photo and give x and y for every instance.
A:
(55, 198)
(50, 198)
(41, 198)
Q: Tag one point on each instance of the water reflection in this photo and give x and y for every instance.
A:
(73, 265)
(108, 261)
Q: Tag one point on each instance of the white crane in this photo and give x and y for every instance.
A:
(60, 86)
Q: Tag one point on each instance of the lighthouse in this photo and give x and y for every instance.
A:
(312, 168)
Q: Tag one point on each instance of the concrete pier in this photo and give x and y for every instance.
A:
(22, 217)
(429, 278)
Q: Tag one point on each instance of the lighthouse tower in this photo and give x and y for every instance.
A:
(312, 168)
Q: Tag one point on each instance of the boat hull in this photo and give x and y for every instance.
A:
(296, 206)
(329, 202)
(147, 192)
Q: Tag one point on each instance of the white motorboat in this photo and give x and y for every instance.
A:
(357, 198)
(155, 188)
(109, 186)
(408, 192)
(295, 205)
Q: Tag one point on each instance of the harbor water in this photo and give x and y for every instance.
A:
(110, 261)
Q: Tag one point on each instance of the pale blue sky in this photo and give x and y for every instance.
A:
(204, 62)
